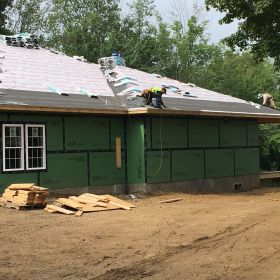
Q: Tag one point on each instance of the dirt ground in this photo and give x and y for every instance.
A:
(234, 236)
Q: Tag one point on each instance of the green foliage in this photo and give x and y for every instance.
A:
(4, 4)
(138, 35)
(269, 147)
(28, 15)
(238, 75)
(259, 26)
(84, 27)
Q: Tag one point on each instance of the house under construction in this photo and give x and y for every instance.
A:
(70, 125)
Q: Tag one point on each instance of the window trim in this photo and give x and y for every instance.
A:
(4, 147)
(43, 147)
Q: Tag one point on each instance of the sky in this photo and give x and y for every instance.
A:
(214, 29)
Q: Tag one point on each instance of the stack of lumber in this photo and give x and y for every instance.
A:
(87, 202)
(24, 195)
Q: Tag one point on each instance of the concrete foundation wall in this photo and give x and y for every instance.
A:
(216, 185)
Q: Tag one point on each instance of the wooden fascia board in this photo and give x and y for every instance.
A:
(268, 118)
(62, 110)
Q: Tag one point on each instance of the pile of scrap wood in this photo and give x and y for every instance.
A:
(87, 202)
(22, 196)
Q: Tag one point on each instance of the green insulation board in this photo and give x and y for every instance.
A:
(203, 133)
(135, 151)
(247, 161)
(158, 167)
(233, 133)
(187, 165)
(148, 133)
(103, 170)
(169, 133)
(3, 117)
(65, 170)
(253, 133)
(117, 130)
(13, 178)
(54, 130)
(86, 133)
(219, 163)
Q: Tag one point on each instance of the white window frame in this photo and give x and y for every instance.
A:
(42, 147)
(4, 147)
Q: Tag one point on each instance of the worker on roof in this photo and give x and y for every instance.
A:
(268, 100)
(156, 93)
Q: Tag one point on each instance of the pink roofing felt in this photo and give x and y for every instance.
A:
(37, 70)
(147, 80)
(41, 70)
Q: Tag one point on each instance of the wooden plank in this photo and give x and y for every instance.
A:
(79, 213)
(118, 152)
(29, 108)
(269, 174)
(119, 205)
(25, 186)
(50, 210)
(89, 202)
(119, 201)
(96, 197)
(70, 203)
(60, 209)
(171, 200)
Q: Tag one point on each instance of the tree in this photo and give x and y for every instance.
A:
(259, 27)
(139, 34)
(88, 28)
(4, 4)
(28, 15)
(238, 74)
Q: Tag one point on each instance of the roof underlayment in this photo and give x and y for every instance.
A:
(45, 81)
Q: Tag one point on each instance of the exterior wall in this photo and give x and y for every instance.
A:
(184, 149)
(80, 151)
(155, 152)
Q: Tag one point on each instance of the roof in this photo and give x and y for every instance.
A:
(37, 79)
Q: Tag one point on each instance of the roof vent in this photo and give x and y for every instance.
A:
(2, 56)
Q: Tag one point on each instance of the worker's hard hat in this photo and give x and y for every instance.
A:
(259, 96)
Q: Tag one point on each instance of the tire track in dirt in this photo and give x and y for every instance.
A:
(149, 267)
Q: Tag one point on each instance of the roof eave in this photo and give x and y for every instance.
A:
(44, 109)
(262, 118)
(267, 118)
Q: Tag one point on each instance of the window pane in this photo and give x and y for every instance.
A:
(36, 150)
(13, 147)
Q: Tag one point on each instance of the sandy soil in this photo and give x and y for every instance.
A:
(202, 237)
